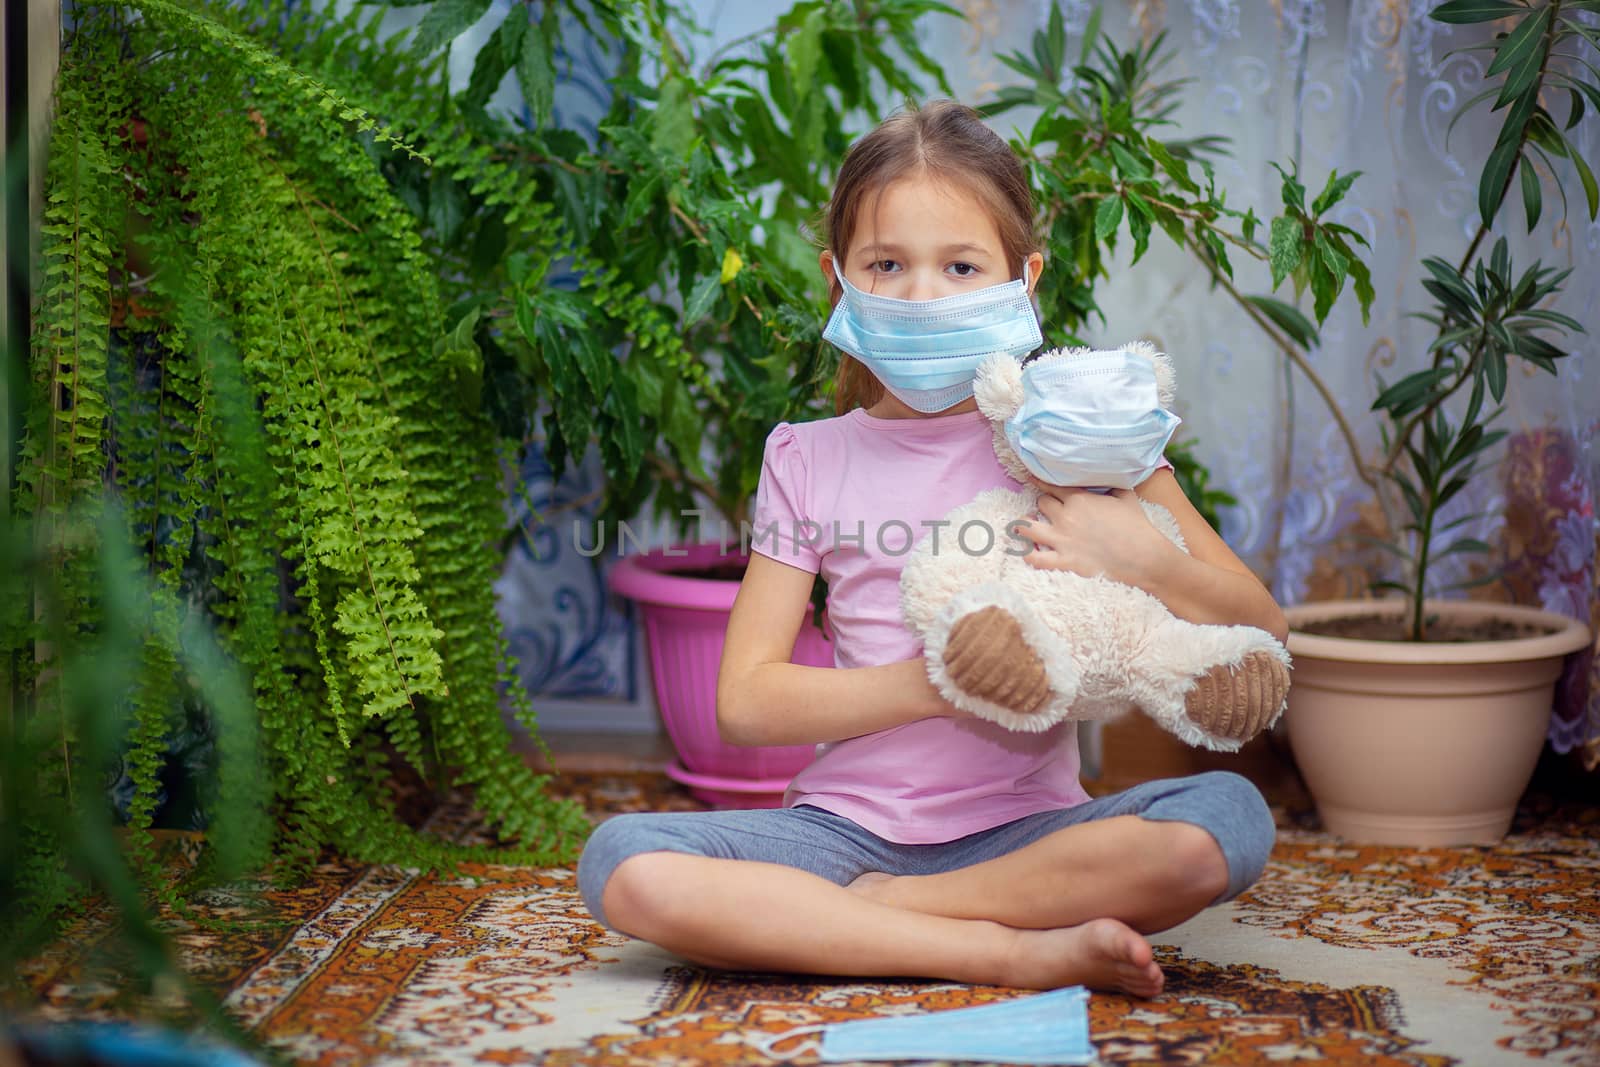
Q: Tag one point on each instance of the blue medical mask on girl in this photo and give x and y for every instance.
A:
(927, 352)
(1049, 1028)
(1094, 420)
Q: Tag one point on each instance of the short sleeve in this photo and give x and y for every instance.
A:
(781, 529)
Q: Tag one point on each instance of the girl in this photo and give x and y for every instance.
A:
(922, 841)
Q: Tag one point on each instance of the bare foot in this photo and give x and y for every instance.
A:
(1101, 954)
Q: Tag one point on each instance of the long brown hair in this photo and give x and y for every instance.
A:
(950, 142)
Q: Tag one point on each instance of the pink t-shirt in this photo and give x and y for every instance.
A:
(850, 496)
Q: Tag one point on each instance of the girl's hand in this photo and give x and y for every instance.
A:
(1092, 533)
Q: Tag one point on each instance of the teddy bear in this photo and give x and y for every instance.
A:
(1028, 647)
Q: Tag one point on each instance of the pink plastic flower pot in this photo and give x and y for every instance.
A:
(685, 620)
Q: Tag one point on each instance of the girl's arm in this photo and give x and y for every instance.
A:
(1094, 533)
(763, 699)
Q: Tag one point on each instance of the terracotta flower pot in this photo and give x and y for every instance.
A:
(1422, 743)
(685, 620)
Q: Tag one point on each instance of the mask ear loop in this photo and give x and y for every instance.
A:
(768, 1044)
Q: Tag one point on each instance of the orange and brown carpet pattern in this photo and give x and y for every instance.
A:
(1340, 954)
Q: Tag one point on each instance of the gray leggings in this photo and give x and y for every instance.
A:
(1224, 804)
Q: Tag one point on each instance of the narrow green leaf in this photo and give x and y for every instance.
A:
(1130, 165)
(1500, 258)
(1530, 193)
(536, 72)
(1248, 224)
(1138, 224)
(1473, 583)
(1323, 290)
(1521, 53)
(1091, 33)
(492, 63)
(701, 298)
(1107, 217)
(1177, 169)
(621, 403)
(1556, 317)
(1588, 89)
(1284, 247)
(1337, 262)
(643, 192)
(1334, 191)
(1494, 370)
(1468, 444)
(1041, 49)
(803, 48)
(1293, 193)
(1413, 501)
(1538, 351)
(1449, 492)
(683, 427)
(1586, 176)
(445, 21)
(1465, 544)
(1365, 294)
(673, 131)
(1057, 39)
(1492, 186)
(1452, 338)
(1288, 318)
(1410, 392)
(595, 361)
(1447, 277)
(1464, 11)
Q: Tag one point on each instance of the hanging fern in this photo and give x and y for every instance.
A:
(239, 333)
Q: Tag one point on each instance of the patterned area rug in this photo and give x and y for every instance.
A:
(1341, 954)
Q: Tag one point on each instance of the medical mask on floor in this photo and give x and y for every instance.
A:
(1047, 1028)
(1094, 420)
(927, 352)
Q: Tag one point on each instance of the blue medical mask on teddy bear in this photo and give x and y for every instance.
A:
(927, 352)
(1093, 421)
(1045, 1028)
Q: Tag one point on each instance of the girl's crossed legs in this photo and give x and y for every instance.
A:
(1058, 898)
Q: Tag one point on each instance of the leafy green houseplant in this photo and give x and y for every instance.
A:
(1101, 169)
(1447, 762)
(239, 352)
(1101, 165)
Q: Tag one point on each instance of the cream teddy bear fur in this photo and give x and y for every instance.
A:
(1028, 647)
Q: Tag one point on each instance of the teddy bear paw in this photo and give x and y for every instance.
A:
(1236, 703)
(986, 656)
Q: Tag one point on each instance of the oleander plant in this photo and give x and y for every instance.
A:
(1105, 163)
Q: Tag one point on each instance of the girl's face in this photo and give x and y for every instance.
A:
(920, 239)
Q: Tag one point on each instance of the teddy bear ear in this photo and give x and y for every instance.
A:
(1166, 377)
(998, 387)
